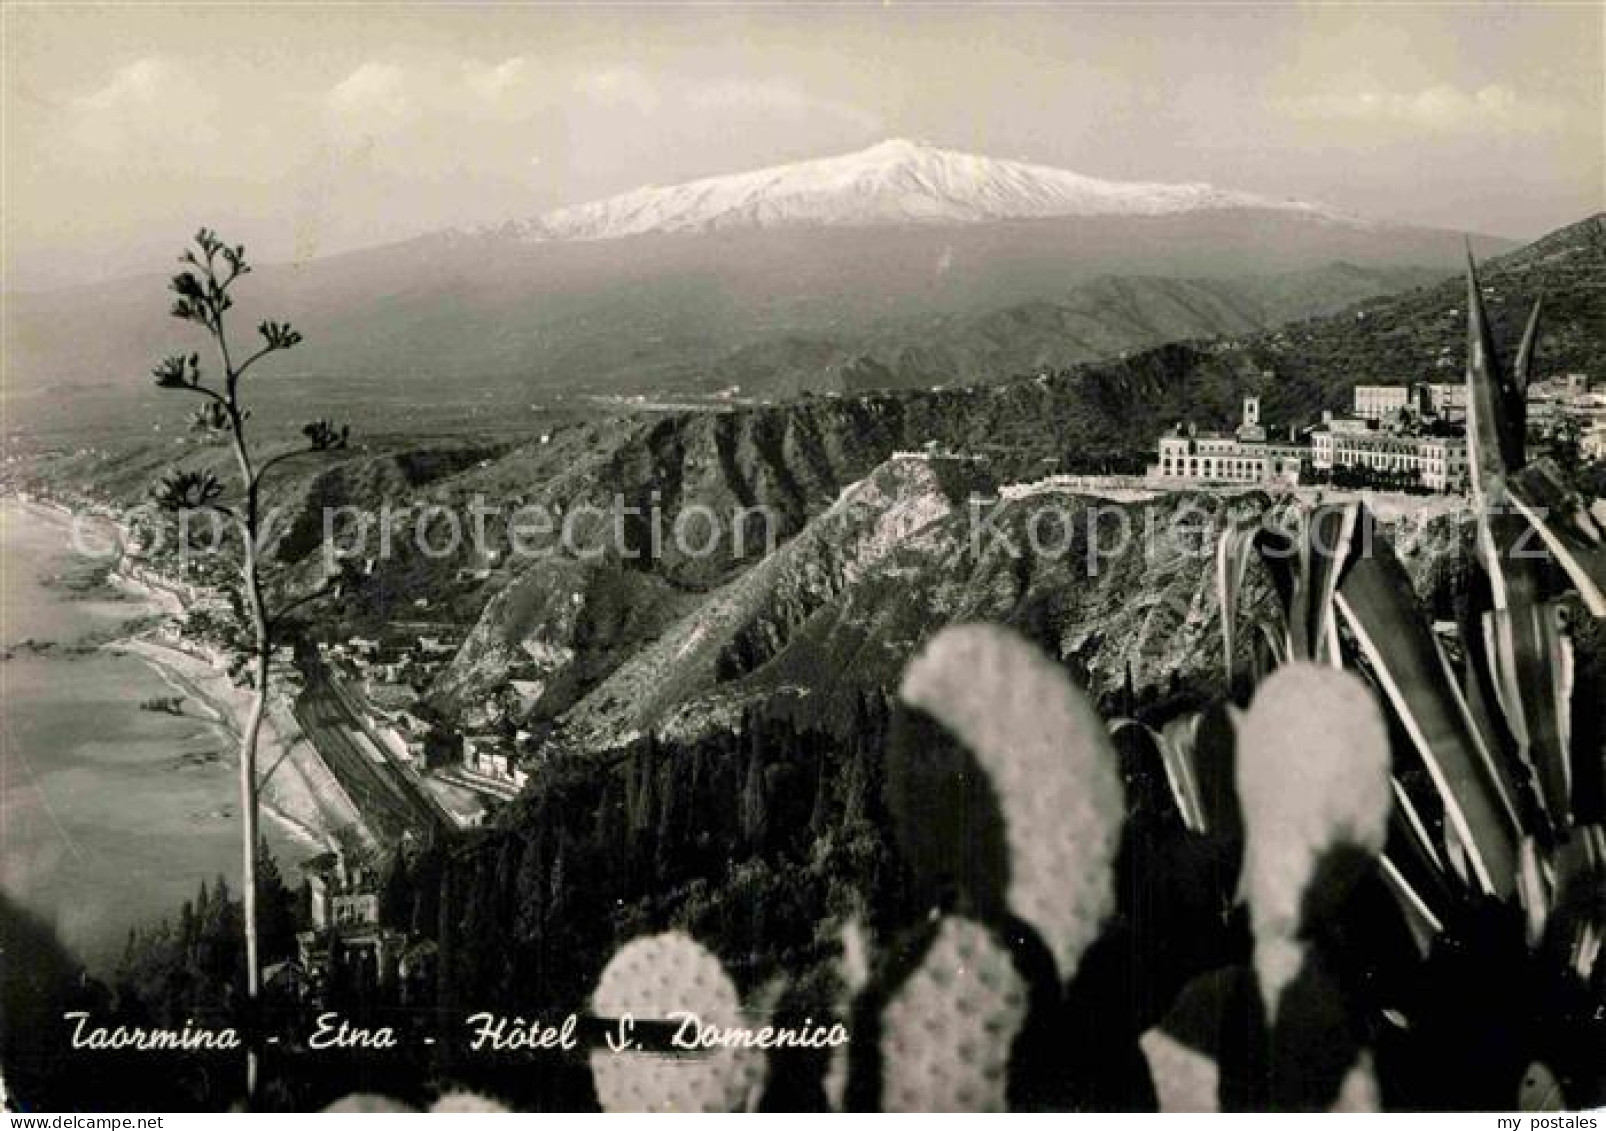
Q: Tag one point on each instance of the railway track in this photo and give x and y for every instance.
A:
(387, 798)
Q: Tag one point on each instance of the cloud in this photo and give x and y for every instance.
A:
(148, 102)
(495, 82)
(775, 99)
(1443, 109)
(718, 98)
(620, 86)
(372, 100)
(139, 83)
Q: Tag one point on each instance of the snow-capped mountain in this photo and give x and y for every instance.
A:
(897, 182)
(902, 265)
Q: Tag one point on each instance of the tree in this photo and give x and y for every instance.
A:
(395, 895)
(1566, 444)
(276, 909)
(202, 289)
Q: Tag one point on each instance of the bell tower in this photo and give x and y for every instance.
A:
(1250, 430)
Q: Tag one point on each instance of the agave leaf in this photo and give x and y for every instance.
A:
(1527, 653)
(1129, 691)
(1414, 831)
(1494, 439)
(1305, 566)
(1559, 516)
(1177, 741)
(1174, 745)
(1520, 369)
(1143, 775)
(1215, 758)
(1270, 650)
(1299, 639)
(1232, 562)
(1417, 872)
(1419, 918)
(1233, 552)
(1380, 609)
(1525, 648)
(1533, 891)
(1332, 533)
(1478, 683)
(1576, 929)
(1280, 556)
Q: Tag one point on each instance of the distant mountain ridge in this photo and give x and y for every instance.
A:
(895, 182)
(1102, 318)
(903, 266)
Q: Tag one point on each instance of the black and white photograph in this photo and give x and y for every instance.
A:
(802, 557)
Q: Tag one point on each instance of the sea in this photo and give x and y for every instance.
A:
(111, 816)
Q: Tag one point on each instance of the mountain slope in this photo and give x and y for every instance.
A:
(895, 182)
(1147, 605)
(1421, 334)
(753, 616)
(1102, 318)
(798, 456)
(911, 247)
(827, 618)
(872, 554)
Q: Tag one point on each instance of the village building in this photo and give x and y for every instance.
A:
(491, 760)
(1386, 404)
(1566, 396)
(1447, 401)
(436, 646)
(1380, 402)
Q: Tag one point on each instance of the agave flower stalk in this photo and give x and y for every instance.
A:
(202, 291)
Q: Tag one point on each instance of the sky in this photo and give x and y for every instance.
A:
(306, 130)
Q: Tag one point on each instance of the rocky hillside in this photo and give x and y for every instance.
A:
(833, 618)
(646, 634)
(742, 624)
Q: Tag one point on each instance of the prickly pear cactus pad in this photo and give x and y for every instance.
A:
(1313, 774)
(468, 1103)
(1184, 1078)
(650, 978)
(947, 1031)
(367, 1103)
(1052, 768)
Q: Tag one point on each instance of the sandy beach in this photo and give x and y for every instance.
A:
(298, 790)
(111, 815)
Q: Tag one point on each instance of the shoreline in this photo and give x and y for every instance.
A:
(159, 600)
(297, 790)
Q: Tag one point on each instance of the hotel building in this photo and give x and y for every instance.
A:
(1243, 456)
(1439, 462)
(1247, 456)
